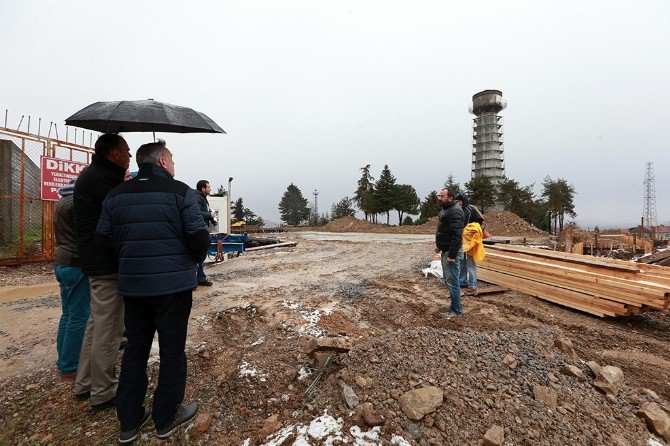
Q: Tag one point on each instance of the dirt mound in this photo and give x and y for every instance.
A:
(498, 223)
(350, 224)
(504, 223)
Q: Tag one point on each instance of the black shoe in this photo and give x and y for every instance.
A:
(103, 406)
(82, 396)
(183, 415)
(205, 283)
(131, 435)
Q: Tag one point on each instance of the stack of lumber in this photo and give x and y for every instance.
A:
(602, 287)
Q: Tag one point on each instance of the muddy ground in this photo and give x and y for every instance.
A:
(248, 343)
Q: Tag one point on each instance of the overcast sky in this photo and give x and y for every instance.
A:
(310, 91)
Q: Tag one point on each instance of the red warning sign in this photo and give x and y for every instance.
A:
(56, 173)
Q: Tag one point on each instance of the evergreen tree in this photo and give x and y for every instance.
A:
(559, 196)
(450, 184)
(324, 219)
(408, 221)
(405, 200)
(365, 188)
(343, 208)
(238, 210)
(482, 192)
(220, 192)
(429, 208)
(293, 206)
(384, 192)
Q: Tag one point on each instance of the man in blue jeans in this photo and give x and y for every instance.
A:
(449, 242)
(74, 290)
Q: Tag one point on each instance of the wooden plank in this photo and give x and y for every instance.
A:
(546, 293)
(572, 258)
(574, 284)
(658, 281)
(491, 290)
(609, 303)
(642, 289)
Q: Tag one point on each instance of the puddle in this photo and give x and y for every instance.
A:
(11, 293)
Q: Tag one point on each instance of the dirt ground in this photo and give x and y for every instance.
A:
(248, 357)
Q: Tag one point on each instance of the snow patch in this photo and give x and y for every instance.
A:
(245, 369)
(399, 441)
(303, 373)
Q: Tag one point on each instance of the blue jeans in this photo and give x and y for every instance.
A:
(468, 274)
(202, 277)
(451, 273)
(75, 302)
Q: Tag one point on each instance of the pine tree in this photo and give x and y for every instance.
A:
(384, 192)
(365, 188)
(482, 192)
(452, 185)
(342, 208)
(238, 210)
(429, 208)
(405, 200)
(293, 206)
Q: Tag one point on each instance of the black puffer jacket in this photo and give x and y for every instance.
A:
(91, 188)
(205, 210)
(153, 225)
(449, 236)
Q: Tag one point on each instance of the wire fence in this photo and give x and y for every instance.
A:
(26, 210)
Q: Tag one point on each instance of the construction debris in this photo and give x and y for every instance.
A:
(602, 287)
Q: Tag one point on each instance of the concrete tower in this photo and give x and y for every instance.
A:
(487, 135)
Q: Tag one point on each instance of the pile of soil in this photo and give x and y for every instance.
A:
(503, 223)
(498, 223)
(350, 224)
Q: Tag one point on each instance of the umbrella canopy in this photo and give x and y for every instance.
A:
(142, 116)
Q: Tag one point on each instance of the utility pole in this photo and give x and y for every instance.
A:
(315, 218)
(649, 205)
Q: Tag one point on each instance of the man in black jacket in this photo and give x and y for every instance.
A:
(449, 242)
(95, 374)
(209, 216)
(154, 227)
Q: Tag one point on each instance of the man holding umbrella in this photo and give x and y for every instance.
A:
(154, 226)
(95, 374)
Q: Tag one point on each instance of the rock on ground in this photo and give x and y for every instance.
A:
(419, 402)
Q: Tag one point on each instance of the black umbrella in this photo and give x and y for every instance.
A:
(142, 116)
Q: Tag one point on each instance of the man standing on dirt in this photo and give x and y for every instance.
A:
(209, 216)
(95, 375)
(154, 227)
(449, 242)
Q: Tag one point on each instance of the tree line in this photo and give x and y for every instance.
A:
(382, 196)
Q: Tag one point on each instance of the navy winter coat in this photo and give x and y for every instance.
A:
(449, 235)
(154, 226)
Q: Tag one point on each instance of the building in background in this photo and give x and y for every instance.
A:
(487, 135)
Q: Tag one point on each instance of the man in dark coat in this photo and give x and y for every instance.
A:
(449, 242)
(154, 227)
(95, 374)
(203, 189)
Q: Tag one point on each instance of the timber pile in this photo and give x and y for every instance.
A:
(599, 286)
